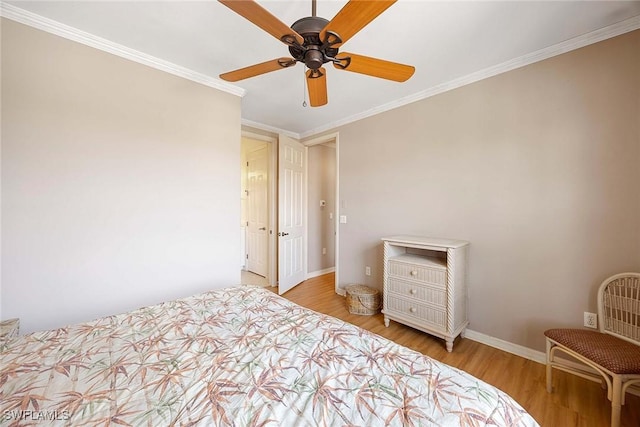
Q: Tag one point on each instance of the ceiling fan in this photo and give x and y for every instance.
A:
(314, 41)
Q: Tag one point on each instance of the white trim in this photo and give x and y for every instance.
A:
(31, 19)
(320, 272)
(614, 30)
(259, 137)
(324, 139)
(518, 350)
(336, 216)
(271, 129)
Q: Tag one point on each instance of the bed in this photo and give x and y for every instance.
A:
(240, 356)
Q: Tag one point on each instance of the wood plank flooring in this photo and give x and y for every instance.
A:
(575, 401)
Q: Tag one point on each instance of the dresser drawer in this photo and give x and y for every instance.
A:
(422, 313)
(435, 295)
(433, 274)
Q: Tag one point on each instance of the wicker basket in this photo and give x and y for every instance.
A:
(362, 299)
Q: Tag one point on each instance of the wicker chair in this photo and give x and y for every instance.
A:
(614, 351)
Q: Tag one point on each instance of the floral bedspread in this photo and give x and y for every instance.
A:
(240, 356)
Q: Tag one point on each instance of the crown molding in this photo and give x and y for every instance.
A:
(605, 33)
(45, 24)
(258, 136)
(271, 129)
(31, 19)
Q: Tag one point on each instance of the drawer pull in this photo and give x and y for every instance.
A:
(413, 291)
(414, 272)
(413, 309)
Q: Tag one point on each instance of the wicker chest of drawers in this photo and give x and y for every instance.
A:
(424, 284)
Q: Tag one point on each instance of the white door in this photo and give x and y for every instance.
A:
(292, 248)
(257, 213)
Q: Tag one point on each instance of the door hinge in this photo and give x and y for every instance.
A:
(247, 223)
(247, 256)
(247, 163)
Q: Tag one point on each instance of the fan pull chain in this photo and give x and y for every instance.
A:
(304, 90)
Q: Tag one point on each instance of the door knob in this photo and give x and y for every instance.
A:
(262, 228)
(282, 234)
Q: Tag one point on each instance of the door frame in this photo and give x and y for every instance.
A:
(272, 248)
(335, 139)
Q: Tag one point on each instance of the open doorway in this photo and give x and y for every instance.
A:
(256, 200)
(321, 209)
(321, 231)
(323, 193)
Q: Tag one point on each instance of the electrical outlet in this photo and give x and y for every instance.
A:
(591, 320)
(367, 271)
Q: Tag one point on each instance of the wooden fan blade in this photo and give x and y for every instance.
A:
(353, 17)
(261, 17)
(257, 69)
(374, 67)
(317, 84)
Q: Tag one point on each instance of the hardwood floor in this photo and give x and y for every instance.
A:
(574, 402)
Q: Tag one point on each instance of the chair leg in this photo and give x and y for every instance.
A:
(549, 369)
(616, 401)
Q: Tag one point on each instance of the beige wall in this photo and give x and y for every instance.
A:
(120, 183)
(321, 185)
(539, 168)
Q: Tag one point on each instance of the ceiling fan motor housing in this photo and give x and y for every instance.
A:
(312, 53)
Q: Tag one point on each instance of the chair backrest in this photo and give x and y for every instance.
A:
(619, 306)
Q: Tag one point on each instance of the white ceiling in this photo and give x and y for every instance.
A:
(449, 43)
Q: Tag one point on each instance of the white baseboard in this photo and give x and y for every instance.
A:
(317, 273)
(518, 350)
